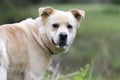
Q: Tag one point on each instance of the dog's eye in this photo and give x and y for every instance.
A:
(55, 25)
(69, 27)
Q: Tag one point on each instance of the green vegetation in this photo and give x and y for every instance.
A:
(85, 73)
(82, 74)
(98, 39)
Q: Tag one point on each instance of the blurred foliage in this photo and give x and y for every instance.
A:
(20, 3)
(115, 1)
(82, 74)
(10, 7)
(12, 10)
(85, 73)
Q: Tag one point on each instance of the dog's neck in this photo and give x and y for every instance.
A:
(41, 40)
(42, 44)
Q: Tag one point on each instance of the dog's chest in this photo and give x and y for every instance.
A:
(36, 63)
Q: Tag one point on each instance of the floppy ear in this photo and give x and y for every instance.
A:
(44, 12)
(78, 14)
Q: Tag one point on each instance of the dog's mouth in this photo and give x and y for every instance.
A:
(53, 42)
(60, 44)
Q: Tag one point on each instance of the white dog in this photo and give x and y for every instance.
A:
(26, 47)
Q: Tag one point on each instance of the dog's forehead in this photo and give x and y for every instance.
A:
(63, 17)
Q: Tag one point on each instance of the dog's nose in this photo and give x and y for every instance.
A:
(62, 39)
(63, 36)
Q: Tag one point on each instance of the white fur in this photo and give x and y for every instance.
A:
(26, 47)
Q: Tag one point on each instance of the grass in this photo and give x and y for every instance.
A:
(82, 74)
(85, 73)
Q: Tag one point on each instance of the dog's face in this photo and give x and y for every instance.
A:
(60, 26)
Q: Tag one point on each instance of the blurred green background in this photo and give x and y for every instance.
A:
(97, 40)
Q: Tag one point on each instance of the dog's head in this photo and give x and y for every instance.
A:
(60, 26)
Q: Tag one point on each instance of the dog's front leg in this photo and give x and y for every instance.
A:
(3, 72)
(3, 67)
(3, 59)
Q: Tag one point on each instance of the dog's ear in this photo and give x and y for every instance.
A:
(78, 14)
(44, 12)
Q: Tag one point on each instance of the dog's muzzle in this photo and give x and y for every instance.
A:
(62, 39)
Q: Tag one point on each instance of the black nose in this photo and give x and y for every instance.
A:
(63, 36)
(62, 39)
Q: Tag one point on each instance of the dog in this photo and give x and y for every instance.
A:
(26, 47)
